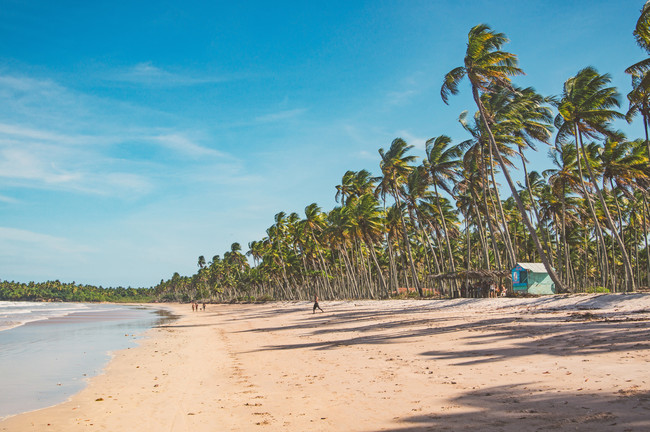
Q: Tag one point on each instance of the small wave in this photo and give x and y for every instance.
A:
(15, 314)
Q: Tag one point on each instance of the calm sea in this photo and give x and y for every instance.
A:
(49, 350)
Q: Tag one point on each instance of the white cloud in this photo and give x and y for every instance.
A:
(400, 97)
(36, 134)
(146, 73)
(24, 164)
(11, 238)
(8, 200)
(184, 145)
(418, 142)
(54, 138)
(364, 154)
(280, 115)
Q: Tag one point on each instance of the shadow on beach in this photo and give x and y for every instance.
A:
(525, 408)
(556, 333)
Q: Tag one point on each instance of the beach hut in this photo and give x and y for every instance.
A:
(531, 278)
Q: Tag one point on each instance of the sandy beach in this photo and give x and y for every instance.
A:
(561, 362)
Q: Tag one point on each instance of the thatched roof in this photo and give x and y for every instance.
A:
(480, 275)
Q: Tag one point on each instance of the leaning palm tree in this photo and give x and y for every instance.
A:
(642, 28)
(640, 72)
(586, 108)
(639, 99)
(487, 69)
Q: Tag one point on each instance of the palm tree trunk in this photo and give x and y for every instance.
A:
(481, 233)
(444, 230)
(437, 266)
(629, 275)
(512, 258)
(416, 283)
(492, 233)
(374, 259)
(547, 239)
(646, 211)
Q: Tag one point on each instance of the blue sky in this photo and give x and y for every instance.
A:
(136, 136)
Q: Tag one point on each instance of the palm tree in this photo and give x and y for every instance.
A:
(642, 29)
(487, 69)
(442, 163)
(395, 169)
(639, 99)
(563, 180)
(585, 110)
(368, 221)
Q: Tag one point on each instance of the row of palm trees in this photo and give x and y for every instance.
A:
(586, 218)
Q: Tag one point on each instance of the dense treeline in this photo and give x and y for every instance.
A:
(586, 217)
(71, 292)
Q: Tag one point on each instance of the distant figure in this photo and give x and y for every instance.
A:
(316, 305)
(203, 305)
(193, 309)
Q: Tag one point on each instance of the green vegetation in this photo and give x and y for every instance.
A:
(586, 217)
(71, 292)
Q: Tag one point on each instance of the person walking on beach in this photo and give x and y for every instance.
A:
(193, 309)
(203, 305)
(316, 304)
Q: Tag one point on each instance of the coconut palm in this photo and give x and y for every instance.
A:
(563, 180)
(487, 69)
(395, 169)
(442, 163)
(642, 28)
(639, 100)
(586, 111)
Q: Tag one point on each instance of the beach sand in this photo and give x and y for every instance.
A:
(562, 362)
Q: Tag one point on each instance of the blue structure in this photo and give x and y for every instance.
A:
(531, 278)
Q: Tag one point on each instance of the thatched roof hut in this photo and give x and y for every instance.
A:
(473, 283)
(476, 275)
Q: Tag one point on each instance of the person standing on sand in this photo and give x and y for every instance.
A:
(316, 304)
(203, 305)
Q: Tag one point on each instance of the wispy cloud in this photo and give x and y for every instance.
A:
(184, 145)
(364, 154)
(8, 200)
(409, 88)
(14, 237)
(149, 75)
(55, 138)
(400, 97)
(18, 163)
(416, 141)
(280, 115)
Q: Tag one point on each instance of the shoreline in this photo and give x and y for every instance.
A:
(49, 358)
(494, 364)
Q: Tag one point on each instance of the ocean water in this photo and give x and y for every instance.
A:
(14, 314)
(49, 350)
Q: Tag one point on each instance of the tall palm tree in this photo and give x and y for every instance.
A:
(642, 28)
(368, 220)
(564, 180)
(442, 163)
(395, 168)
(639, 99)
(488, 68)
(586, 109)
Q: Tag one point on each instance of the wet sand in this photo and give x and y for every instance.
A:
(45, 361)
(567, 363)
